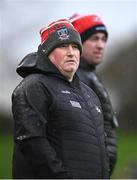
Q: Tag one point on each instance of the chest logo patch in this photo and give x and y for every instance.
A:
(75, 104)
(65, 92)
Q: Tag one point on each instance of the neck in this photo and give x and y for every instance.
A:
(85, 65)
(69, 77)
(70, 80)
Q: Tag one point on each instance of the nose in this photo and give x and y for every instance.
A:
(70, 50)
(101, 44)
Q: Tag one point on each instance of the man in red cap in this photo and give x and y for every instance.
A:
(94, 36)
(59, 126)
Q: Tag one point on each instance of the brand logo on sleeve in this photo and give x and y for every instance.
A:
(98, 109)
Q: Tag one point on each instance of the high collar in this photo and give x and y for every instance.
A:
(84, 65)
(37, 63)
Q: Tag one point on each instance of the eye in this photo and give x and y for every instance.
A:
(75, 46)
(105, 39)
(94, 38)
(63, 45)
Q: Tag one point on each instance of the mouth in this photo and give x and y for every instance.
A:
(70, 61)
(99, 53)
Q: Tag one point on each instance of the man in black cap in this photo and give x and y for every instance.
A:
(59, 126)
(94, 36)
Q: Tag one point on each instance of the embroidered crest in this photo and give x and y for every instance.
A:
(63, 34)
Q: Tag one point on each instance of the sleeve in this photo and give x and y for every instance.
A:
(110, 120)
(111, 145)
(30, 102)
(110, 126)
(110, 130)
(111, 138)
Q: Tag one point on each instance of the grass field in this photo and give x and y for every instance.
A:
(127, 156)
(5, 156)
(126, 165)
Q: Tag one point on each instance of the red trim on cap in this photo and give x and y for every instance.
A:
(84, 22)
(52, 27)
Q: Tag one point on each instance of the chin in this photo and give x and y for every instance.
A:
(72, 68)
(97, 61)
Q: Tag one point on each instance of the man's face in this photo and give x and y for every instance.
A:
(93, 48)
(66, 58)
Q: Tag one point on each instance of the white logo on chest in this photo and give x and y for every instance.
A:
(65, 92)
(75, 104)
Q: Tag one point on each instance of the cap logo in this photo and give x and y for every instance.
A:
(63, 34)
(100, 28)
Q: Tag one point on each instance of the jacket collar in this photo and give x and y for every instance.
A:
(38, 63)
(84, 65)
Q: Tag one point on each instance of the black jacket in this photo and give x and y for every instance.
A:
(59, 130)
(88, 75)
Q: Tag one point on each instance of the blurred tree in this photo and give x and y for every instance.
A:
(120, 75)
